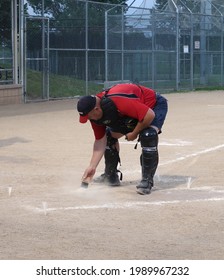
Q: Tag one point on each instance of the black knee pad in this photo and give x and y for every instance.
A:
(111, 141)
(149, 138)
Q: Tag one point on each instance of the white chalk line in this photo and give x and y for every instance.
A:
(212, 149)
(216, 105)
(137, 204)
(184, 143)
(176, 143)
(124, 205)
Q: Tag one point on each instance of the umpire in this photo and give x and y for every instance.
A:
(129, 110)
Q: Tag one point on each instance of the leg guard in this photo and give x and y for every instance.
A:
(149, 159)
(112, 159)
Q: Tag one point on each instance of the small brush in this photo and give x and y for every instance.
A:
(85, 182)
(84, 185)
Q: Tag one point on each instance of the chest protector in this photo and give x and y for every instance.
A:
(113, 119)
(110, 113)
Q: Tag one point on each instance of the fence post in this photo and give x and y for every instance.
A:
(222, 49)
(177, 50)
(21, 46)
(86, 51)
(192, 54)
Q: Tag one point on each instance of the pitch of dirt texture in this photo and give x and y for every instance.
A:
(45, 214)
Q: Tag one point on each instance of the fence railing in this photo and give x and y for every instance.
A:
(168, 50)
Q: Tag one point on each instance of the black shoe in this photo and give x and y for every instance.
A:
(144, 187)
(145, 183)
(143, 191)
(111, 180)
(101, 179)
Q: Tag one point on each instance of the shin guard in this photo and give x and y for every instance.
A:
(112, 160)
(149, 158)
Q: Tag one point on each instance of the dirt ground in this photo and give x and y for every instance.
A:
(45, 214)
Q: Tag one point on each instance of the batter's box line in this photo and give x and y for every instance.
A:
(212, 149)
(174, 142)
(125, 205)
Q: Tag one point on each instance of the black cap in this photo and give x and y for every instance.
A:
(84, 106)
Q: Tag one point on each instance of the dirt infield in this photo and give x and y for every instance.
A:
(46, 215)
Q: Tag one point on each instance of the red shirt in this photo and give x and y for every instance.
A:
(131, 107)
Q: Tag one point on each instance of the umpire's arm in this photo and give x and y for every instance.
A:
(98, 152)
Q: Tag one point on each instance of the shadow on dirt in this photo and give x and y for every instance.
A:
(166, 182)
(12, 141)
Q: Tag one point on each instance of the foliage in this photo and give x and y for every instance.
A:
(159, 4)
(5, 20)
(63, 8)
(68, 23)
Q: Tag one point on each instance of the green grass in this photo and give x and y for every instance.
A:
(65, 86)
(207, 88)
(59, 86)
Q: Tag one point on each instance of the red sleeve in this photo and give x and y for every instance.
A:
(99, 130)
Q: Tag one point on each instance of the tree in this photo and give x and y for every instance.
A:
(159, 4)
(5, 21)
(68, 22)
(55, 8)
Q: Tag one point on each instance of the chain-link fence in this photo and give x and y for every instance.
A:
(76, 51)
(167, 50)
(36, 53)
(89, 45)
